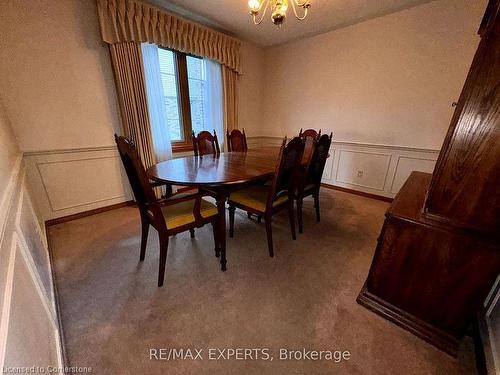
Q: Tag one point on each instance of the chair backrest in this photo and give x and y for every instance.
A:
(310, 136)
(318, 159)
(205, 143)
(136, 173)
(237, 141)
(287, 170)
(309, 133)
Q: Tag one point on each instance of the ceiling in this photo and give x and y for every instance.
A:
(324, 15)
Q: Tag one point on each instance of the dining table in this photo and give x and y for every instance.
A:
(220, 173)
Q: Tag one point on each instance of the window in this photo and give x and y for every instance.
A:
(189, 96)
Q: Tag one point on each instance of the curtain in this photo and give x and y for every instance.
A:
(156, 102)
(230, 94)
(212, 98)
(129, 78)
(135, 21)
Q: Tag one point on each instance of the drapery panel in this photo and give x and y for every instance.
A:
(134, 21)
(155, 94)
(129, 78)
(230, 94)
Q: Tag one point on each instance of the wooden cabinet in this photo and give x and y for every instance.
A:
(439, 251)
(426, 276)
(466, 181)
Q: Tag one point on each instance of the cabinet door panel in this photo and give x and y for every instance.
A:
(464, 189)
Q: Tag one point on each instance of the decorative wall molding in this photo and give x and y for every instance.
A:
(490, 329)
(65, 184)
(370, 168)
(71, 181)
(6, 199)
(23, 289)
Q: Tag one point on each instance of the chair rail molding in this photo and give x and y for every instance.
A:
(367, 167)
(71, 181)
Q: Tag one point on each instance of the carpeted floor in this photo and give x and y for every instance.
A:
(114, 315)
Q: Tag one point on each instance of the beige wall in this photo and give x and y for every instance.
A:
(251, 89)
(390, 80)
(56, 75)
(9, 153)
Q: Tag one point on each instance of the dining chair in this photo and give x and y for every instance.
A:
(237, 141)
(205, 143)
(311, 181)
(310, 136)
(266, 200)
(168, 216)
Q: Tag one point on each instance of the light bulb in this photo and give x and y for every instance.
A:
(254, 5)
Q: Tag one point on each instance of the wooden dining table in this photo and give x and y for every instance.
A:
(221, 174)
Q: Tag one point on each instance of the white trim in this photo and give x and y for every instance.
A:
(70, 150)
(35, 277)
(4, 323)
(358, 144)
(6, 201)
(492, 352)
(30, 263)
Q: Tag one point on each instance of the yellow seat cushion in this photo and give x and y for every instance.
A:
(255, 197)
(180, 214)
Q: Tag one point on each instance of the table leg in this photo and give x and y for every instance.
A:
(221, 227)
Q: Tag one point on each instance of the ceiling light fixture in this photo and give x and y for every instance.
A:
(278, 10)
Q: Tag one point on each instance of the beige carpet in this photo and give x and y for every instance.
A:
(305, 297)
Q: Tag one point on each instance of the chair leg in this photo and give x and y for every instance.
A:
(316, 205)
(191, 232)
(232, 209)
(269, 232)
(299, 215)
(216, 240)
(291, 216)
(163, 257)
(144, 237)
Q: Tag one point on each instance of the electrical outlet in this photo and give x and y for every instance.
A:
(360, 173)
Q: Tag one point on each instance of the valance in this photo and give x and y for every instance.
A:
(134, 21)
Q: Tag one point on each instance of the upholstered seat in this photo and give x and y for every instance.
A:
(180, 214)
(255, 197)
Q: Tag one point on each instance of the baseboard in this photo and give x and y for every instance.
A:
(357, 192)
(79, 215)
(419, 328)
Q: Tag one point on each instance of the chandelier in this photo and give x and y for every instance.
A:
(278, 10)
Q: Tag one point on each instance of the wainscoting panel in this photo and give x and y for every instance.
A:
(72, 181)
(29, 322)
(369, 168)
(29, 329)
(491, 329)
(363, 169)
(405, 165)
(31, 235)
